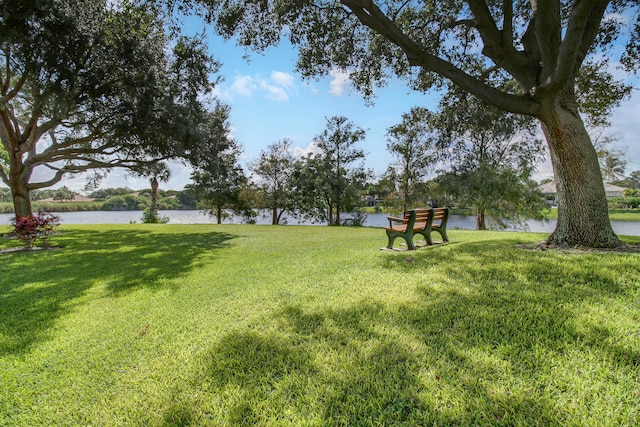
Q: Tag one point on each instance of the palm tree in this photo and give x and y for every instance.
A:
(156, 172)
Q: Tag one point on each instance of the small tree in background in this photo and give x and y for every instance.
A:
(156, 172)
(218, 178)
(64, 194)
(492, 155)
(411, 144)
(341, 180)
(275, 168)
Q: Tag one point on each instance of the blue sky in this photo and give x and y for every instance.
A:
(269, 101)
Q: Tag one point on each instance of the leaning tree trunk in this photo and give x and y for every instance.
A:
(583, 215)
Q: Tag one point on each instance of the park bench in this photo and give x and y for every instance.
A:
(418, 221)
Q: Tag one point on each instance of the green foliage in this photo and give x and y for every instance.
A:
(275, 168)
(105, 193)
(5, 195)
(412, 146)
(493, 155)
(627, 202)
(331, 182)
(63, 194)
(151, 217)
(93, 86)
(219, 180)
(127, 202)
(227, 325)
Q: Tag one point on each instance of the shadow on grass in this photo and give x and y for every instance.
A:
(36, 288)
(492, 351)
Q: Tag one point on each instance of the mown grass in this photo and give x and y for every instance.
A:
(260, 325)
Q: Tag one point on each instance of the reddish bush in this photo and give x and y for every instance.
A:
(30, 229)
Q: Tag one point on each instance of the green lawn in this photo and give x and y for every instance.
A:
(159, 325)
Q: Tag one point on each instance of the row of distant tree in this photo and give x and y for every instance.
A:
(466, 154)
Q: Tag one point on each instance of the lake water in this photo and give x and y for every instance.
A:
(624, 228)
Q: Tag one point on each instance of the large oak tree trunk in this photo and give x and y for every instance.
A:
(583, 216)
(19, 189)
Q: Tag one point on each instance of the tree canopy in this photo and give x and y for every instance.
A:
(332, 181)
(411, 144)
(274, 168)
(492, 154)
(91, 84)
(544, 46)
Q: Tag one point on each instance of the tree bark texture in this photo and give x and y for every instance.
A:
(19, 188)
(480, 220)
(583, 215)
(154, 196)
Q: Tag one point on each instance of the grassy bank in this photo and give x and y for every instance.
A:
(6, 207)
(260, 325)
(614, 214)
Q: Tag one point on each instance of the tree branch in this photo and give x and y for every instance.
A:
(507, 24)
(372, 17)
(548, 33)
(7, 96)
(44, 184)
(582, 28)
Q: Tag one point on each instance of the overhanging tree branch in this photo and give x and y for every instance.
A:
(372, 17)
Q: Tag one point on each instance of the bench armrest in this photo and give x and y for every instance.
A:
(394, 219)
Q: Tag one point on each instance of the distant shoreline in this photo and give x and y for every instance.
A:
(88, 206)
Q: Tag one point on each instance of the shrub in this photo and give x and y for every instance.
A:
(625, 202)
(358, 218)
(149, 217)
(30, 229)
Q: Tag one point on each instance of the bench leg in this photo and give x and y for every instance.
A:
(427, 236)
(443, 233)
(390, 241)
(392, 237)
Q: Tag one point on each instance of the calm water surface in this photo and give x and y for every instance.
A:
(625, 228)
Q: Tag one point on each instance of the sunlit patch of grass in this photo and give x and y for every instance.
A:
(260, 325)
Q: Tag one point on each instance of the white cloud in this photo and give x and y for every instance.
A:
(339, 82)
(278, 87)
(244, 85)
(283, 79)
(273, 92)
(299, 152)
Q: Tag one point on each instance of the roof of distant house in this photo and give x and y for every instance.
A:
(550, 188)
